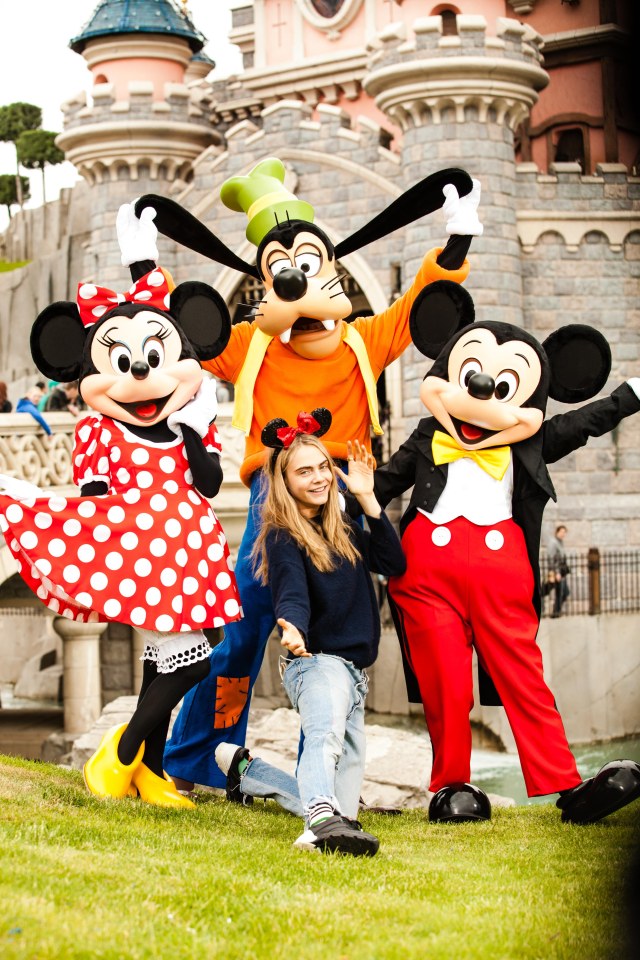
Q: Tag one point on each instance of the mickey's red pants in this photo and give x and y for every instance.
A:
(471, 587)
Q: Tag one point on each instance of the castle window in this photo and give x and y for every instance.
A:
(449, 23)
(569, 146)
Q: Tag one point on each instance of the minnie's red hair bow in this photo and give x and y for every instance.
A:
(93, 302)
(306, 424)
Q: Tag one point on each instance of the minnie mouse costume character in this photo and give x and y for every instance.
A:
(471, 536)
(141, 545)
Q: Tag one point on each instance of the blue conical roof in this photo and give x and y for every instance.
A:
(112, 17)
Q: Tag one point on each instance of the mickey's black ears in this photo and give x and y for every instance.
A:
(57, 341)
(580, 361)
(178, 224)
(421, 199)
(203, 316)
(438, 312)
(270, 437)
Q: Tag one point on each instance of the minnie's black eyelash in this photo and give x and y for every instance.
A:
(107, 341)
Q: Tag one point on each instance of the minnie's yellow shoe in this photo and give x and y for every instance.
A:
(157, 790)
(104, 774)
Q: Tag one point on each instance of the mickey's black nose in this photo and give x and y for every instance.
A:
(290, 284)
(140, 370)
(481, 386)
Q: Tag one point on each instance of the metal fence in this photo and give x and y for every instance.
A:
(599, 581)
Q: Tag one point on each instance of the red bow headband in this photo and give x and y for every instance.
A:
(306, 424)
(93, 302)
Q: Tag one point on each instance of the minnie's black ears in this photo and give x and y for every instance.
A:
(57, 341)
(580, 361)
(203, 316)
(439, 311)
(320, 415)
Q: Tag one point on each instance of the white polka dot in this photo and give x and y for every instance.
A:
(123, 476)
(158, 502)
(91, 449)
(215, 552)
(190, 585)
(158, 547)
(138, 616)
(102, 533)
(231, 608)
(113, 560)
(176, 604)
(207, 524)
(193, 496)
(144, 521)
(112, 607)
(71, 573)
(173, 528)
(103, 466)
(153, 596)
(182, 557)
(86, 553)
(43, 566)
(127, 587)
(68, 613)
(143, 295)
(222, 540)
(155, 278)
(57, 504)
(42, 520)
(170, 486)
(164, 623)
(167, 464)
(28, 540)
(99, 580)
(4, 526)
(142, 567)
(84, 432)
(140, 456)
(131, 496)
(144, 479)
(87, 291)
(168, 577)
(72, 527)
(494, 540)
(129, 540)
(54, 604)
(115, 515)
(230, 565)
(223, 580)
(441, 536)
(99, 311)
(86, 508)
(199, 614)
(114, 454)
(218, 622)
(210, 597)
(185, 511)
(85, 599)
(42, 592)
(105, 436)
(14, 513)
(203, 569)
(167, 302)
(57, 547)
(194, 540)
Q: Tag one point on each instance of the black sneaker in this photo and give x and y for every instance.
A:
(228, 757)
(341, 834)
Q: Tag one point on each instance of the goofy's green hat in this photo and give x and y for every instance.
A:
(264, 198)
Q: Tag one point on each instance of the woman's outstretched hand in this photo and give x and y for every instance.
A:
(359, 479)
(292, 639)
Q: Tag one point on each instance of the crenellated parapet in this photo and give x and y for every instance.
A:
(426, 77)
(141, 137)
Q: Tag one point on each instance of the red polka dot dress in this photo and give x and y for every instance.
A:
(150, 553)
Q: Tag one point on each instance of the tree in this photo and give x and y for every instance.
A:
(15, 118)
(35, 149)
(8, 192)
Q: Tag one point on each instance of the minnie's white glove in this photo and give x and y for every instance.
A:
(19, 489)
(199, 412)
(462, 212)
(634, 383)
(137, 236)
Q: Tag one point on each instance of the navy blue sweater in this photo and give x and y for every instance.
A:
(336, 612)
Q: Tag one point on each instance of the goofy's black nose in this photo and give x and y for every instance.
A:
(140, 370)
(290, 284)
(481, 386)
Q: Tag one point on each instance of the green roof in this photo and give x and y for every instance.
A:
(113, 17)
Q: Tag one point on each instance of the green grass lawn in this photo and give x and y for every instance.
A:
(84, 878)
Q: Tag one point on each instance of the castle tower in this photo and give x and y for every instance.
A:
(145, 127)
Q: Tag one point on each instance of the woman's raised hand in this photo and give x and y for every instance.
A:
(359, 479)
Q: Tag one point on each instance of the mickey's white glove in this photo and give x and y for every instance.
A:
(19, 489)
(462, 212)
(137, 236)
(634, 383)
(197, 413)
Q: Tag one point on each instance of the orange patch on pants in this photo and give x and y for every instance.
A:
(231, 696)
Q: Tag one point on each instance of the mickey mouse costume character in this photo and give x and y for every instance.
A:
(471, 536)
(297, 350)
(141, 545)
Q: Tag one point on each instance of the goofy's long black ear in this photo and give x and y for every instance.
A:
(203, 316)
(580, 361)
(178, 224)
(418, 201)
(57, 341)
(438, 312)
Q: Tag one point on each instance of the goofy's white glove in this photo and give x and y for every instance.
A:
(462, 212)
(19, 489)
(197, 413)
(137, 236)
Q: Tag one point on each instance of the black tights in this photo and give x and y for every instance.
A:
(159, 694)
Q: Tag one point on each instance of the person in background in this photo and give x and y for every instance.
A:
(46, 390)
(559, 568)
(65, 399)
(5, 403)
(29, 404)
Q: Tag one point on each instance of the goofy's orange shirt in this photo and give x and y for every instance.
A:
(287, 383)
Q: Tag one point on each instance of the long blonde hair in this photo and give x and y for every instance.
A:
(323, 542)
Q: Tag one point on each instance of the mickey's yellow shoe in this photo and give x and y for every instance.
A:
(104, 774)
(159, 791)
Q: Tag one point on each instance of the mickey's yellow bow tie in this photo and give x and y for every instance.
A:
(493, 461)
